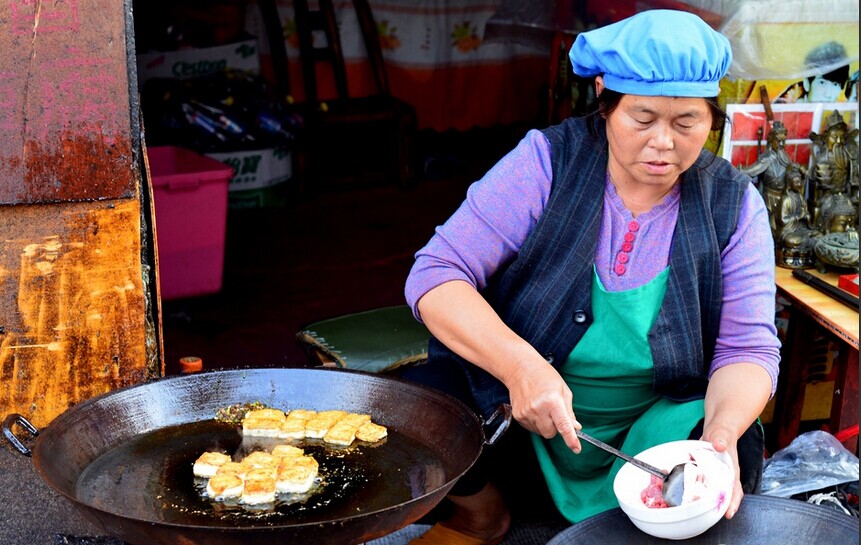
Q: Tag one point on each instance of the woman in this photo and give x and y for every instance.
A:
(608, 274)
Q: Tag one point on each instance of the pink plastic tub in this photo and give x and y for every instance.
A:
(190, 194)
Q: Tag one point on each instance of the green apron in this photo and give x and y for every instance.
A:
(610, 373)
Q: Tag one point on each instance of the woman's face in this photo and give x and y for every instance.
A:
(653, 140)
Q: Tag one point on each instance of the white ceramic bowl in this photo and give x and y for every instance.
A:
(686, 520)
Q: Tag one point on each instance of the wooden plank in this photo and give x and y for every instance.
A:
(64, 102)
(72, 306)
(78, 308)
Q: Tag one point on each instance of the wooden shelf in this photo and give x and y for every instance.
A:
(824, 309)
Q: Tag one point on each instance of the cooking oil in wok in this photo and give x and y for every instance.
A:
(150, 477)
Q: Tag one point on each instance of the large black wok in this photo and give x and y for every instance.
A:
(124, 458)
(763, 520)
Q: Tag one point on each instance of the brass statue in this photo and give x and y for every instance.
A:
(770, 167)
(834, 167)
(838, 247)
(793, 236)
(852, 150)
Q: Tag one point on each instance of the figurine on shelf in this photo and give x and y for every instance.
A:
(793, 236)
(833, 165)
(838, 247)
(852, 150)
(770, 167)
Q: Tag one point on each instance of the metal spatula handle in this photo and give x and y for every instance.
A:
(642, 465)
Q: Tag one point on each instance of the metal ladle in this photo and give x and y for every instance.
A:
(674, 480)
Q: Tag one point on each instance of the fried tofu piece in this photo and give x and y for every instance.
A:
(259, 487)
(208, 463)
(221, 486)
(286, 451)
(306, 461)
(262, 427)
(294, 426)
(371, 432)
(318, 425)
(259, 459)
(259, 471)
(292, 430)
(295, 479)
(301, 414)
(296, 475)
(356, 418)
(344, 431)
(265, 414)
(263, 422)
(234, 468)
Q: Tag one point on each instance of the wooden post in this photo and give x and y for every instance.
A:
(78, 306)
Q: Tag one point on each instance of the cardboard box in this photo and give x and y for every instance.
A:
(190, 198)
(192, 63)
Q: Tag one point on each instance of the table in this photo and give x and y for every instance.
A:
(813, 309)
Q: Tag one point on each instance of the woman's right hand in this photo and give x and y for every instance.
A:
(541, 401)
(457, 315)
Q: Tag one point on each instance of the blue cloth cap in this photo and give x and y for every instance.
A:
(655, 53)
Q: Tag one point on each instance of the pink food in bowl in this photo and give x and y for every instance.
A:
(683, 521)
(704, 474)
(653, 495)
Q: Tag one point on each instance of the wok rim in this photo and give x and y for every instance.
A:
(47, 430)
(794, 507)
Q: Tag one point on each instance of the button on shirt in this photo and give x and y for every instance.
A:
(627, 246)
(634, 242)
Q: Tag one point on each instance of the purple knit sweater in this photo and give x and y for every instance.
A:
(501, 209)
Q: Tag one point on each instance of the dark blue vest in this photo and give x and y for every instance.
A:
(544, 293)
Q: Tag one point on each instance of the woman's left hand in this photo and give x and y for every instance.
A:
(723, 441)
(728, 415)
